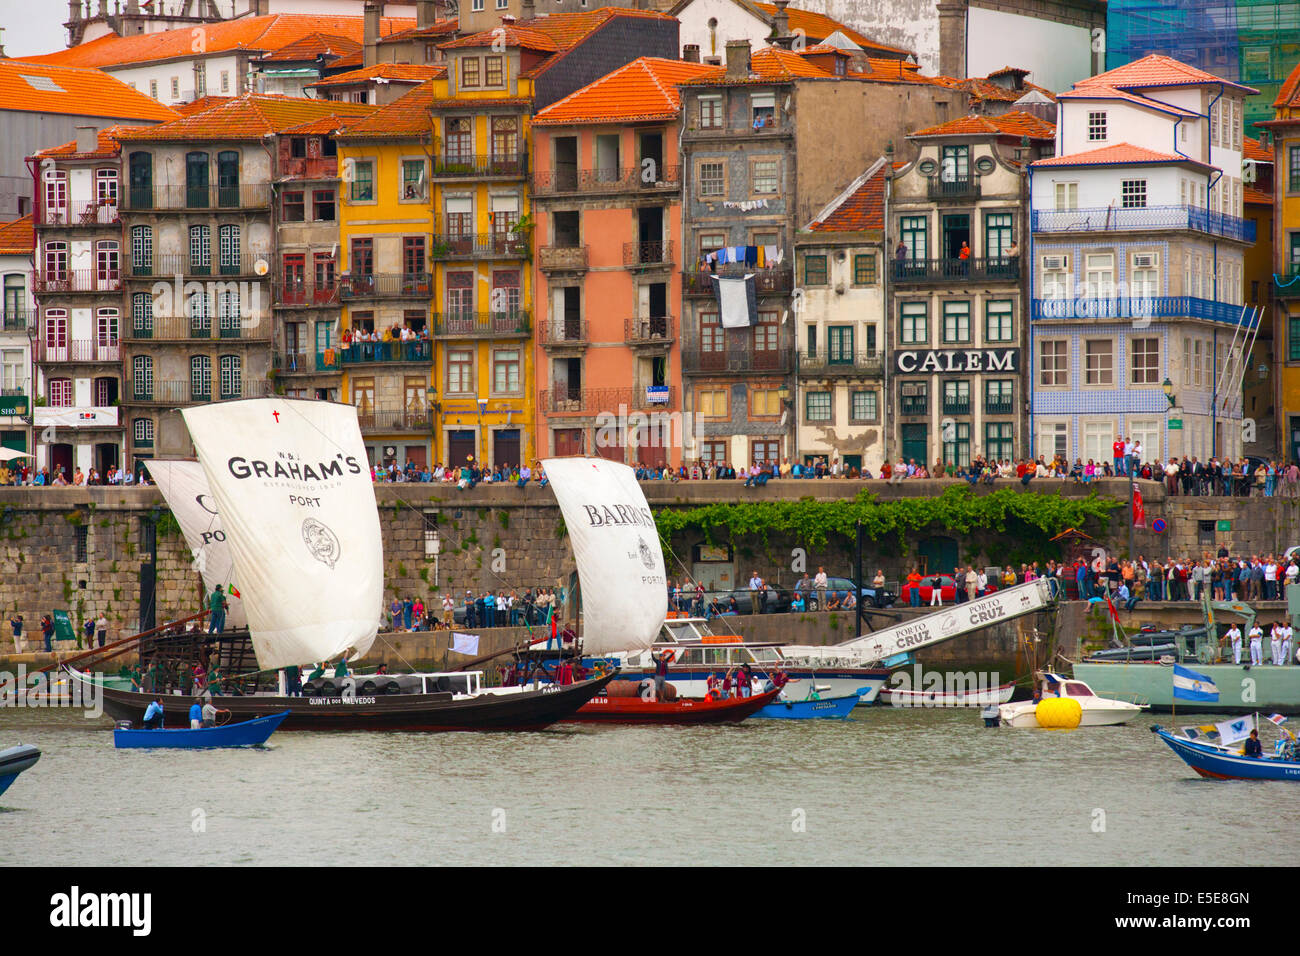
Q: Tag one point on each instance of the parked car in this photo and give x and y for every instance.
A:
(947, 589)
(842, 586)
(778, 600)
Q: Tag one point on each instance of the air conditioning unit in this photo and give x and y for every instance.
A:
(1054, 263)
(1146, 260)
(911, 391)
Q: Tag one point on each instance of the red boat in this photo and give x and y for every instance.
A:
(683, 710)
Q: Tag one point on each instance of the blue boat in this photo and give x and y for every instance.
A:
(14, 761)
(812, 708)
(248, 733)
(1220, 763)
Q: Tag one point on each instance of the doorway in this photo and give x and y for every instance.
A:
(915, 442)
(956, 230)
(105, 457)
(61, 457)
(505, 446)
(461, 447)
(937, 554)
(568, 441)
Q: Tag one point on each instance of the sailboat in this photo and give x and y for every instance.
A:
(288, 479)
(624, 590)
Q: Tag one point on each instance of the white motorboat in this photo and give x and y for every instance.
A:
(1096, 711)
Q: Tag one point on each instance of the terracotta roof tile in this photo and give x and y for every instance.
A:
(982, 88)
(433, 31)
(397, 72)
(314, 45)
(267, 34)
(17, 238)
(643, 90)
(1100, 91)
(1254, 149)
(107, 143)
(1289, 94)
(817, 27)
(1252, 196)
(40, 88)
(1014, 123)
(250, 116)
(201, 105)
(405, 117)
(1119, 154)
(555, 33)
(1156, 70)
(512, 35)
(861, 210)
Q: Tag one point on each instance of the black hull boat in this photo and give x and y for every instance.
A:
(520, 710)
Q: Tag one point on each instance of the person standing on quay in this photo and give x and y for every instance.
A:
(16, 626)
(819, 585)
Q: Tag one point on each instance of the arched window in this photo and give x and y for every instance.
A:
(200, 379)
(196, 180)
(142, 432)
(140, 165)
(232, 379)
(142, 378)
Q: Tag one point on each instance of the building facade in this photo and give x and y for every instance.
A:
(1283, 139)
(17, 325)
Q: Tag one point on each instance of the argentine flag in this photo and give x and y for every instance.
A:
(1189, 685)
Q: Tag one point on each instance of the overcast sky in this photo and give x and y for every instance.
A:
(33, 26)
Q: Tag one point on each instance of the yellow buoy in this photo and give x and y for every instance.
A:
(1058, 713)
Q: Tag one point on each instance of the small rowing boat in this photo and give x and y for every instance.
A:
(1218, 762)
(683, 710)
(974, 697)
(14, 761)
(246, 733)
(812, 707)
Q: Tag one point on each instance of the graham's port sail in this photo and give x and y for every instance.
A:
(616, 546)
(185, 487)
(291, 483)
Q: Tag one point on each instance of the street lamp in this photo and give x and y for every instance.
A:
(1168, 388)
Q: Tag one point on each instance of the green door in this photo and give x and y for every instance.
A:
(938, 554)
(915, 443)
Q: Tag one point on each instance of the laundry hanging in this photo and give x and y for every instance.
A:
(737, 301)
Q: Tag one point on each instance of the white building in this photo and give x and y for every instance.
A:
(17, 319)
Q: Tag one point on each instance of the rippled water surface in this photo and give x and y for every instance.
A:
(887, 787)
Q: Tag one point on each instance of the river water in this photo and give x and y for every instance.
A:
(889, 786)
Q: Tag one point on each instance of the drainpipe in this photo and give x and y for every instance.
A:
(1028, 312)
(888, 262)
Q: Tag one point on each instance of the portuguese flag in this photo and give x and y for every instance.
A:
(234, 591)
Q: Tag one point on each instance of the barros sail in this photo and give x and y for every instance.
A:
(616, 546)
(185, 487)
(291, 483)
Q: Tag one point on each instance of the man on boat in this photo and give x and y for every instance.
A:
(209, 714)
(1234, 638)
(1253, 749)
(1256, 645)
(217, 611)
(153, 715)
(196, 714)
(661, 662)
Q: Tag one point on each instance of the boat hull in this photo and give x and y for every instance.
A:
(524, 710)
(1213, 763)
(840, 682)
(824, 708)
(246, 733)
(921, 698)
(1024, 715)
(683, 710)
(1270, 689)
(14, 761)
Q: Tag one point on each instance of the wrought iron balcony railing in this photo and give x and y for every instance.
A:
(1118, 219)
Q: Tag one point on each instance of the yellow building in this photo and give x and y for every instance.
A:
(1284, 134)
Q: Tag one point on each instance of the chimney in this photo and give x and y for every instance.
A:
(426, 13)
(87, 139)
(374, 10)
(261, 7)
(691, 53)
(953, 15)
(737, 59)
(780, 20)
(527, 10)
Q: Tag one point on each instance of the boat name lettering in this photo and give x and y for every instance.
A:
(243, 468)
(341, 700)
(916, 634)
(599, 516)
(983, 615)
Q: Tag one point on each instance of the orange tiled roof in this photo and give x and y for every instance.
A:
(397, 72)
(314, 45)
(557, 32)
(982, 88)
(107, 143)
(1100, 91)
(896, 71)
(1154, 70)
(1288, 96)
(17, 238)
(1252, 196)
(770, 64)
(39, 88)
(643, 90)
(250, 116)
(266, 34)
(201, 105)
(817, 27)
(861, 210)
(1014, 123)
(434, 30)
(1254, 149)
(404, 118)
(510, 35)
(1119, 154)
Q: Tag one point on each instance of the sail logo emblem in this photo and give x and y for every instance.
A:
(321, 542)
(647, 558)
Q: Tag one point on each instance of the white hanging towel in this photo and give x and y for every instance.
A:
(737, 301)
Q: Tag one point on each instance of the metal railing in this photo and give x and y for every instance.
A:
(170, 264)
(459, 325)
(561, 399)
(777, 281)
(78, 280)
(16, 389)
(393, 419)
(649, 330)
(956, 406)
(364, 353)
(562, 332)
(1287, 282)
(244, 196)
(770, 125)
(453, 166)
(183, 328)
(1118, 219)
(290, 293)
(826, 363)
(621, 179)
(955, 187)
(1141, 307)
(914, 405)
(999, 407)
(562, 258)
(18, 320)
(996, 268)
(479, 245)
(737, 360)
(90, 212)
(289, 363)
(180, 392)
(386, 285)
(657, 252)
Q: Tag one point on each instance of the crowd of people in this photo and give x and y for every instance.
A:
(466, 476)
(24, 473)
(490, 608)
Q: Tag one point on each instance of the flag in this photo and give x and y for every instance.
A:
(1113, 613)
(1139, 511)
(464, 643)
(1189, 685)
(1277, 719)
(234, 591)
(1233, 731)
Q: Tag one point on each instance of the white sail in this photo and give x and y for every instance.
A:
(616, 545)
(291, 483)
(185, 487)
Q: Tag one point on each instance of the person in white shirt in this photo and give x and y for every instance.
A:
(1270, 580)
(1234, 638)
(448, 610)
(1275, 644)
(983, 583)
(1292, 571)
(1286, 644)
(1256, 646)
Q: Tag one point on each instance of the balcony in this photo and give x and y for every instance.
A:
(649, 330)
(766, 281)
(1146, 218)
(17, 320)
(182, 328)
(1286, 284)
(190, 393)
(415, 285)
(562, 258)
(369, 353)
(295, 363)
(1135, 307)
(563, 400)
(841, 364)
(956, 405)
(725, 361)
(289, 293)
(564, 333)
(78, 280)
(994, 269)
(624, 179)
(481, 245)
(914, 405)
(83, 350)
(999, 407)
(168, 198)
(171, 265)
(955, 187)
(90, 212)
(466, 325)
(769, 126)
(480, 167)
(380, 418)
(641, 255)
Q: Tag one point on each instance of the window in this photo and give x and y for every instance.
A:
(142, 377)
(460, 294)
(200, 250)
(505, 138)
(363, 180)
(231, 253)
(505, 370)
(1054, 364)
(997, 322)
(294, 206)
(864, 269)
(142, 250)
(413, 260)
(763, 106)
(1098, 362)
(363, 257)
(956, 322)
(1097, 438)
(323, 205)
(142, 430)
(997, 234)
(764, 402)
(153, 89)
(863, 406)
(713, 403)
(504, 297)
(232, 380)
(1196, 363)
(1293, 169)
(710, 112)
(817, 406)
(1133, 193)
(323, 263)
(956, 397)
(1097, 126)
(460, 371)
(458, 145)
(106, 328)
(1054, 439)
(767, 334)
(1145, 275)
(998, 441)
(814, 270)
(957, 451)
(713, 451)
(469, 72)
(106, 187)
(839, 344)
(764, 176)
(494, 71)
(712, 337)
(954, 165)
(1147, 431)
(1067, 196)
(998, 396)
(912, 230)
(1144, 364)
(176, 87)
(107, 262)
(1099, 276)
(200, 379)
(764, 452)
(56, 261)
(914, 326)
(712, 179)
(225, 81)
(61, 392)
(228, 311)
(142, 315)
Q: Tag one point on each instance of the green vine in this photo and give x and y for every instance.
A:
(168, 526)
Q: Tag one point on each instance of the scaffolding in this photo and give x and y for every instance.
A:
(1253, 42)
